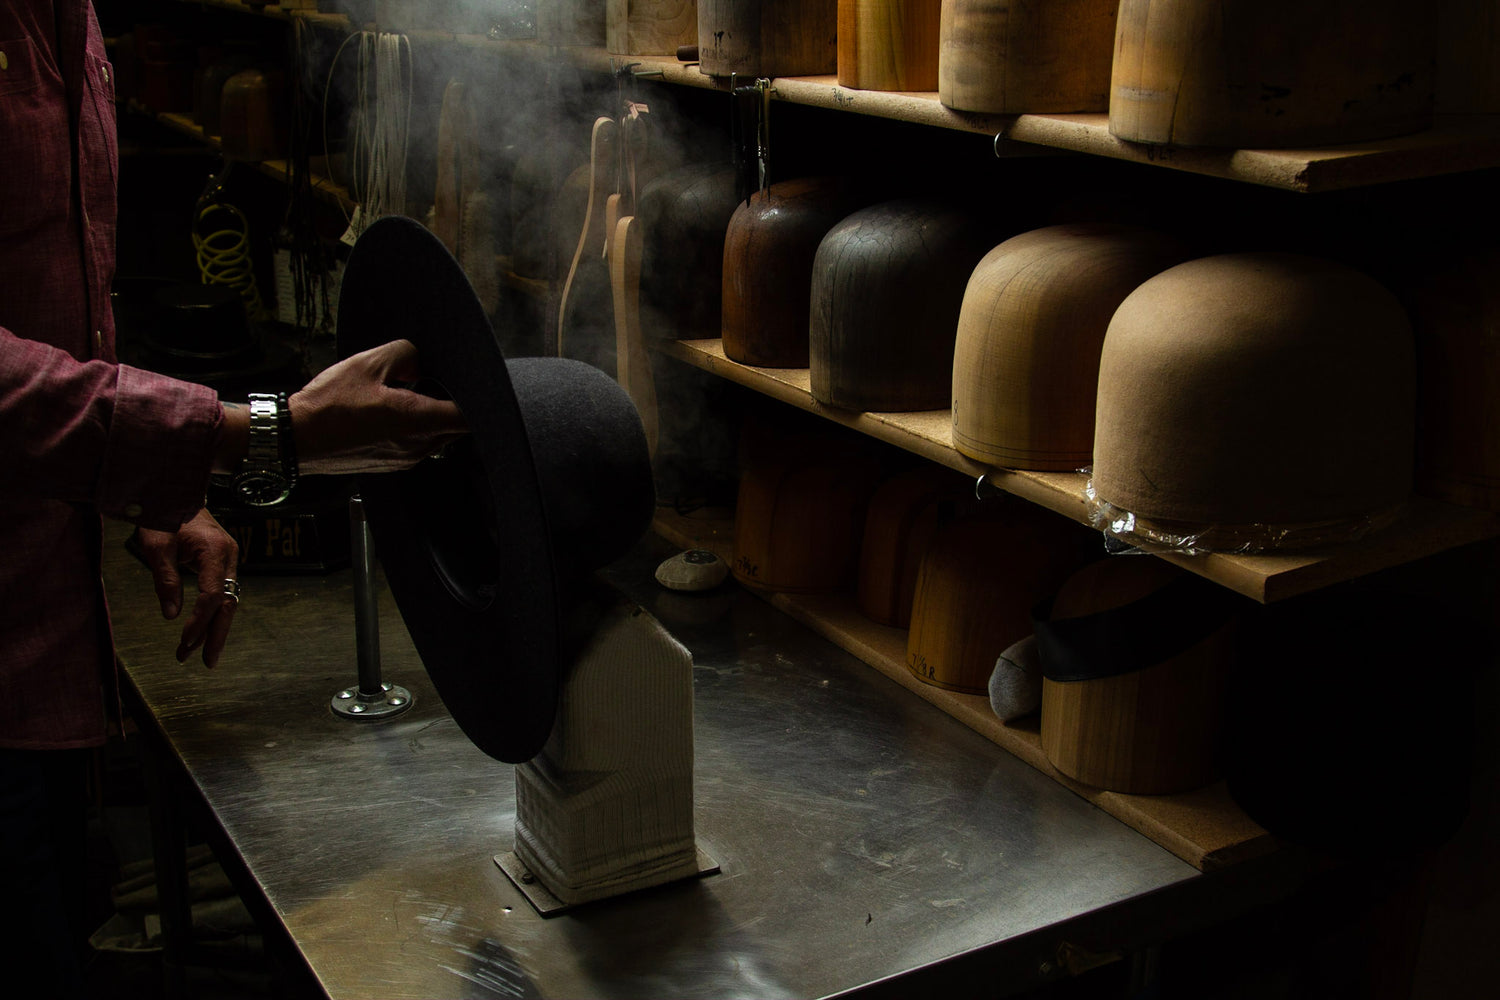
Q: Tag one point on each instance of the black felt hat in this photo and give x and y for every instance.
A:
(483, 546)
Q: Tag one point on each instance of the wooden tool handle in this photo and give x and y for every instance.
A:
(601, 181)
(633, 367)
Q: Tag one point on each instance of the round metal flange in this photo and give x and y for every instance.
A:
(393, 700)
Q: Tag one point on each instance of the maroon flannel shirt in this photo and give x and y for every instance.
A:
(80, 435)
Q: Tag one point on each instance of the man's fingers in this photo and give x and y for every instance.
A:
(161, 556)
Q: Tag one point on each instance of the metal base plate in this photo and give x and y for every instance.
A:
(549, 905)
(350, 704)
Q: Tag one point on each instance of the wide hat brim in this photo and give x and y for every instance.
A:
(480, 546)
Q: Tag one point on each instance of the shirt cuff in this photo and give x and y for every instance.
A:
(160, 449)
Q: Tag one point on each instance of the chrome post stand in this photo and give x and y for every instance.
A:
(372, 698)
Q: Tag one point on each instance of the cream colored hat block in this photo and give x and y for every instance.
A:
(1026, 56)
(1026, 362)
(1256, 389)
(1271, 73)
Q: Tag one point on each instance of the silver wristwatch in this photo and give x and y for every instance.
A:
(269, 470)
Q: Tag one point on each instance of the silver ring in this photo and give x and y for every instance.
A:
(232, 590)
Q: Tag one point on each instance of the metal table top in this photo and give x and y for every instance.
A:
(862, 833)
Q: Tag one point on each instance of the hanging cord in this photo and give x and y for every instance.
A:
(311, 260)
(378, 133)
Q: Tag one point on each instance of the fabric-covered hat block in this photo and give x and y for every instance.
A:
(1257, 396)
(1026, 362)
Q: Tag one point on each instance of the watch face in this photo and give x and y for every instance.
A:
(261, 488)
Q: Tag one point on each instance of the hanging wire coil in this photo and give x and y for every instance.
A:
(224, 252)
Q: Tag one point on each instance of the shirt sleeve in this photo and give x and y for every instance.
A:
(136, 445)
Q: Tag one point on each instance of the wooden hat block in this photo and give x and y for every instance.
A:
(1026, 56)
(649, 27)
(976, 587)
(1256, 389)
(606, 807)
(768, 37)
(684, 215)
(889, 44)
(887, 285)
(570, 22)
(1148, 731)
(768, 264)
(904, 515)
(1271, 73)
(800, 509)
(1026, 361)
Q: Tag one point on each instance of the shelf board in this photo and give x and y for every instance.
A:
(1203, 827)
(1456, 143)
(1424, 527)
(323, 187)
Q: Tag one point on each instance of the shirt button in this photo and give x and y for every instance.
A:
(133, 510)
(105, 71)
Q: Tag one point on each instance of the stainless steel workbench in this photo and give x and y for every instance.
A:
(863, 835)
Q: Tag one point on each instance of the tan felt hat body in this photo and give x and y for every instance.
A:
(1256, 389)
(887, 285)
(1271, 73)
(1026, 56)
(1026, 363)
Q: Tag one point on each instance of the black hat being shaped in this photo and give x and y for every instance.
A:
(483, 546)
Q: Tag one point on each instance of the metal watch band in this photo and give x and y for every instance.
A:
(269, 471)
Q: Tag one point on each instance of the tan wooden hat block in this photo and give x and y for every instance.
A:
(799, 513)
(1256, 389)
(1271, 73)
(905, 513)
(1026, 56)
(1026, 361)
(1148, 732)
(976, 588)
(887, 285)
(768, 37)
(649, 27)
(769, 249)
(889, 44)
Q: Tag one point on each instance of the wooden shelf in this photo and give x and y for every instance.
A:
(278, 13)
(1456, 143)
(323, 187)
(1203, 827)
(1424, 527)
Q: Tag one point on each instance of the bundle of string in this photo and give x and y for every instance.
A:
(311, 260)
(378, 133)
(224, 252)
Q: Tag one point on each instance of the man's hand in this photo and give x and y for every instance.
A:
(202, 547)
(351, 418)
